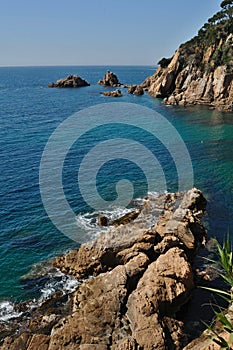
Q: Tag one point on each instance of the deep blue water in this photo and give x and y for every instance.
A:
(30, 112)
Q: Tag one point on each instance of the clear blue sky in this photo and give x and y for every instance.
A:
(97, 32)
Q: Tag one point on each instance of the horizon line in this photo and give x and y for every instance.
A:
(80, 65)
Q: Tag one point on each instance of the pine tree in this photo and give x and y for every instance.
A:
(227, 6)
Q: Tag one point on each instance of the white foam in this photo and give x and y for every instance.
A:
(88, 222)
(67, 284)
(116, 212)
(7, 311)
(57, 281)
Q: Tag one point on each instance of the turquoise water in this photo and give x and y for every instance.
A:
(30, 112)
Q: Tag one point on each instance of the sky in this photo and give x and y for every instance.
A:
(97, 32)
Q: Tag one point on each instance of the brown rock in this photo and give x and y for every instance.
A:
(194, 76)
(183, 222)
(97, 305)
(125, 219)
(142, 278)
(39, 342)
(165, 281)
(125, 344)
(73, 81)
(115, 93)
(110, 79)
(167, 243)
(136, 90)
(19, 343)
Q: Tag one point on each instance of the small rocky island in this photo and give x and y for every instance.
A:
(110, 79)
(71, 81)
(201, 71)
(115, 93)
(133, 281)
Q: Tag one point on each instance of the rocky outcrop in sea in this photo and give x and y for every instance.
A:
(71, 81)
(132, 282)
(115, 93)
(110, 79)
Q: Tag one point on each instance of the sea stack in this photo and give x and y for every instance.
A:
(110, 79)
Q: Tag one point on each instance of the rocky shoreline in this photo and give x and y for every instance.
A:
(185, 82)
(133, 282)
(200, 72)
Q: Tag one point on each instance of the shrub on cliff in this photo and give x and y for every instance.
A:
(164, 62)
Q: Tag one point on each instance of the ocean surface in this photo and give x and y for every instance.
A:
(30, 112)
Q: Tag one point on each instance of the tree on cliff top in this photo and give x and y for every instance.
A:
(227, 6)
(219, 26)
(215, 31)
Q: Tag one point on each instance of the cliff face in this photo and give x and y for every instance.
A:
(133, 281)
(200, 72)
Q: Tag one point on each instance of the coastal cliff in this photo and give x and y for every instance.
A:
(201, 70)
(133, 281)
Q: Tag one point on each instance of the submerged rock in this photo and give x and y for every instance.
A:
(71, 81)
(110, 79)
(142, 277)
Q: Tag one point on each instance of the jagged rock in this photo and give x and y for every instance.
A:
(104, 253)
(157, 296)
(167, 243)
(194, 77)
(125, 219)
(182, 223)
(136, 90)
(142, 277)
(110, 79)
(115, 93)
(72, 81)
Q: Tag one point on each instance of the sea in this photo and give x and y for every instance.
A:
(30, 112)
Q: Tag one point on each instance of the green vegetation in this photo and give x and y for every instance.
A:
(219, 26)
(225, 254)
(213, 34)
(164, 62)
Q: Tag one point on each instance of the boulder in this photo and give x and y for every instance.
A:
(156, 297)
(110, 79)
(71, 81)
